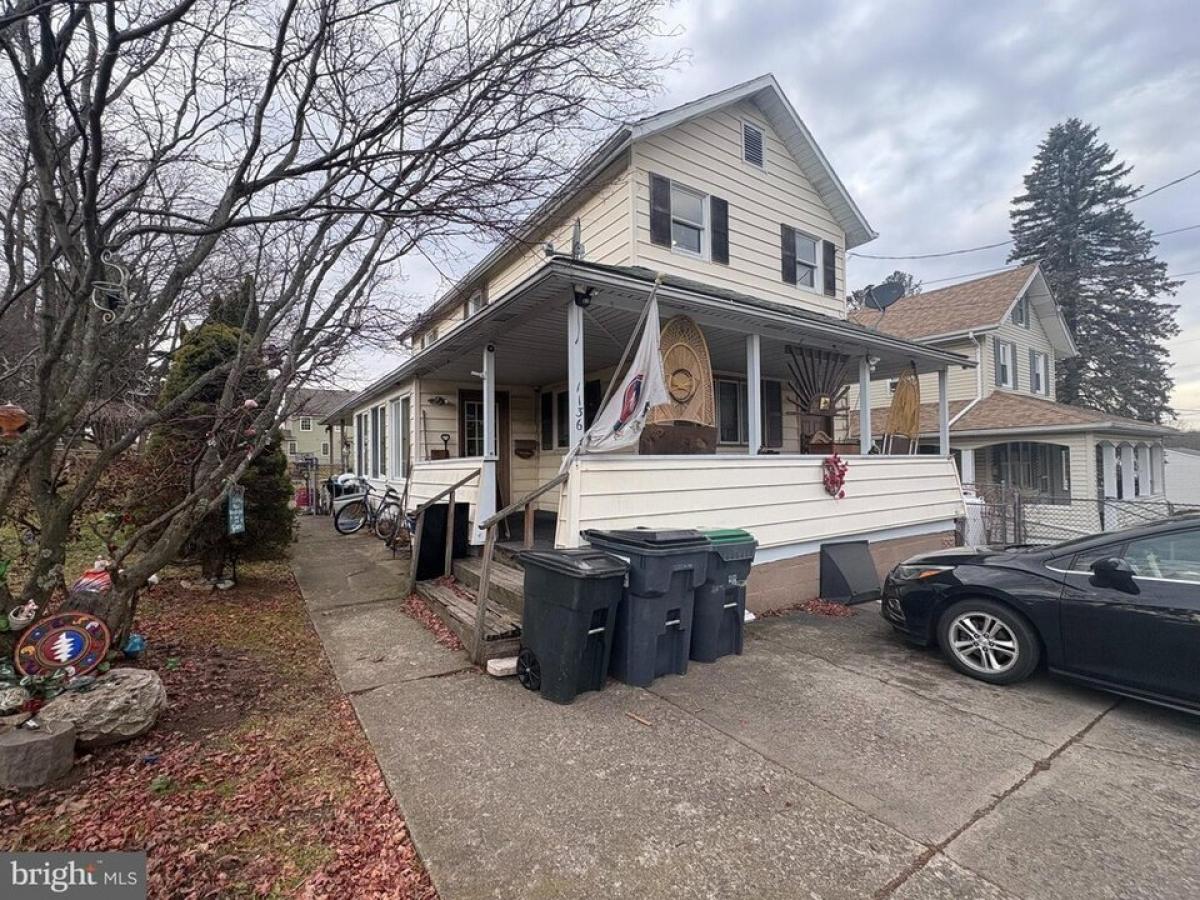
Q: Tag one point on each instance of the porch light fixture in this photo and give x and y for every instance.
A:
(583, 296)
(437, 401)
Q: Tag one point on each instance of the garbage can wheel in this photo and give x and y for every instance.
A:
(529, 671)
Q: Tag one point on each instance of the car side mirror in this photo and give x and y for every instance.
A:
(1113, 571)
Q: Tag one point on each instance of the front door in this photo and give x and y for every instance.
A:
(1146, 634)
(470, 437)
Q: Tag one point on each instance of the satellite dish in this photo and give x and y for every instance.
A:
(881, 296)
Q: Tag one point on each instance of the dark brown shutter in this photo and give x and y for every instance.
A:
(787, 247)
(1033, 367)
(660, 210)
(719, 214)
(829, 267)
(996, 362)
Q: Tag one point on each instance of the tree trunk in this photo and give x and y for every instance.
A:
(115, 608)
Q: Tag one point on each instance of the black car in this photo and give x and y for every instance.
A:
(1119, 611)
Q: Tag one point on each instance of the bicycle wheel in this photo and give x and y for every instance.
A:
(351, 517)
(386, 521)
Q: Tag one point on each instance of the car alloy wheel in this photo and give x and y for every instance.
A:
(983, 643)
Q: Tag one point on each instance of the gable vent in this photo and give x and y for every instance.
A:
(752, 144)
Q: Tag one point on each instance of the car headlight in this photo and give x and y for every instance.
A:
(917, 571)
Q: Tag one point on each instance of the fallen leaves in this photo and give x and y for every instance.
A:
(257, 780)
(416, 607)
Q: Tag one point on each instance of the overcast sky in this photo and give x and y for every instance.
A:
(931, 112)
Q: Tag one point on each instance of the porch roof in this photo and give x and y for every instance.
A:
(527, 326)
(1005, 413)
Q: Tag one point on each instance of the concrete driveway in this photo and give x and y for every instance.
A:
(830, 760)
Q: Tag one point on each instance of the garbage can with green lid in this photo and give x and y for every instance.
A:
(654, 622)
(567, 626)
(720, 607)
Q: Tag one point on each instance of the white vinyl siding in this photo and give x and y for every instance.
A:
(706, 154)
(778, 499)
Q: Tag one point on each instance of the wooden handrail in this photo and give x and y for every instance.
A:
(445, 492)
(524, 501)
(488, 526)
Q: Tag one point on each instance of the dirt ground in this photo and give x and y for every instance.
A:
(256, 782)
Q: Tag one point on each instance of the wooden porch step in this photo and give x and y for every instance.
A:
(502, 629)
(508, 581)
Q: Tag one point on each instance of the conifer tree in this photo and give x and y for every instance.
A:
(1099, 261)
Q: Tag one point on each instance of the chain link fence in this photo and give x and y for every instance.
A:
(999, 516)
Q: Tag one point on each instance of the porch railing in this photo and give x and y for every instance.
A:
(488, 526)
(419, 528)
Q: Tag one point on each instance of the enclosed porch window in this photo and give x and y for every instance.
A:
(1041, 472)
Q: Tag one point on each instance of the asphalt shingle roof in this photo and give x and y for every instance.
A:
(981, 303)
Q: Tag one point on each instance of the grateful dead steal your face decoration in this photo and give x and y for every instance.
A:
(74, 641)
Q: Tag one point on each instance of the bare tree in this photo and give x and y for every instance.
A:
(156, 151)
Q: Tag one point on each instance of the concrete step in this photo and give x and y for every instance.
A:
(502, 629)
(507, 581)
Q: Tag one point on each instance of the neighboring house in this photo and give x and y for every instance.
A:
(1006, 427)
(1182, 457)
(731, 202)
(305, 435)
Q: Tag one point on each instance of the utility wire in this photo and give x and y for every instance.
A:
(945, 253)
(1018, 265)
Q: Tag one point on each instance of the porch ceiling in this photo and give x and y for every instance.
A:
(528, 329)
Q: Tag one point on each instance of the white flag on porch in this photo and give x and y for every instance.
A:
(620, 423)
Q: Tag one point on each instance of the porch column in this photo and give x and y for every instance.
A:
(575, 371)
(1127, 491)
(944, 411)
(864, 406)
(1145, 475)
(1157, 469)
(485, 503)
(753, 394)
(967, 466)
(1108, 460)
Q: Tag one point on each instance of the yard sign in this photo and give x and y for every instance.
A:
(235, 508)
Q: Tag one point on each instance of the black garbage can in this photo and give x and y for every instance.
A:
(571, 600)
(654, 622)
(432, 561)
(720, 609)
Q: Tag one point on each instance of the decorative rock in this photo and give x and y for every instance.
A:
(12, 699)
(121, 705)
(30, 757)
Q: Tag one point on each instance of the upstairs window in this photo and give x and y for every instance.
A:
(1006, 365)
(806, 260)
(752, 145)
(428, 337)
(1039, 373)
(305, 423)
(1020, 313)
(689, 224)
(474, 304)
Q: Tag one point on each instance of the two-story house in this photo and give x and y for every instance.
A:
(729, 204)
(1006, 426)
(305, 435)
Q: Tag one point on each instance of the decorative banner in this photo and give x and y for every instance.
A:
(69, 640)
(620, 423)
(235, 509)
(688, 373)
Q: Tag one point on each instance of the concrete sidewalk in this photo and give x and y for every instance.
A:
(830, 760)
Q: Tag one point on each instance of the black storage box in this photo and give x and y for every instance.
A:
(654, 622)
(432, 563)
(720, 609)
(571, 600)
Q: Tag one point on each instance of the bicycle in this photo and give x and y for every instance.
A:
(380, 518)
